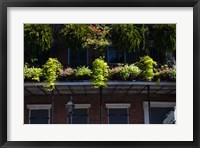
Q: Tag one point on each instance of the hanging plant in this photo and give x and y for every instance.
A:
(100, 73)
(51, 70)
(38, 39)
(127, 36)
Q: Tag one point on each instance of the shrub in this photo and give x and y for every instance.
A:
(67, 74)
(81, 71)
(51, 69)
(114, 73)
(164, 73)
(146, 65)
(129, 72)
(100, 73)
(32, 73)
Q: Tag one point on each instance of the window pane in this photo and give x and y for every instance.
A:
(39, 117)
(118, 116)
(162, 115)
(78, 57)
(80, 116)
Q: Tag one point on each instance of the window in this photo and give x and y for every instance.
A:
(118, 113)
(39, 114)
(115, 56)
(77, 57)
(80, 115)
(161, 113)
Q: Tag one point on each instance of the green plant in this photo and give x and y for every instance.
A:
(146, 65)
(165, 73)
(127, 36)
(74, 36)
(114, 73)
(100, 73)
(67, 74)
(38, 38)
(129, 72)
(51, 69)
(32, 73)
(81, 71)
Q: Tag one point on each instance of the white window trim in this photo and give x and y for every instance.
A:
(118, 106)
(79, 106)
(38, 107)
(156, 104)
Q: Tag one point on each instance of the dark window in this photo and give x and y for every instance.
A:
(162, 115)
(80, 116)
(39, 116)
(118, 116)
(78, 57)
(115, 56)
(130, 57)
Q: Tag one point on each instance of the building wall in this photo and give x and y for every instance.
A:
(136, 113)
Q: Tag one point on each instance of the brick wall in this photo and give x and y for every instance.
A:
(136, 113)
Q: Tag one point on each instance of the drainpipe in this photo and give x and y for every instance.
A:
(100, 105)
(149, 103)
(52, 106)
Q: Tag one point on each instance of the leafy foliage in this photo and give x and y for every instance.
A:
(142, 70)
(146, 65)
(100, 73)
(166, 73)
(129, 72)
(32, 73)
(164, 36)
(67, 74)
(74, 36)
(51, 69)
(98, 37)
(81, 71)
(38, 38)
(127, 36)
(114, 73)
(77, 36)
(164, 41)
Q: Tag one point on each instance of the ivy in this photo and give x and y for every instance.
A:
(51, 70)
(100, 73)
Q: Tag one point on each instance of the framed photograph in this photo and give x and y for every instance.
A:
(104, 73)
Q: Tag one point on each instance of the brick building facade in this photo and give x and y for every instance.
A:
(120, 103)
